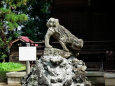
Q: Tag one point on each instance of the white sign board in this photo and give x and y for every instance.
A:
(27, 53)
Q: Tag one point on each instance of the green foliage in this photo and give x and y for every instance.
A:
(3, 50)
(13, 20)
(4, 11)
(9, 67)
(10, 19)
(14, 3)
(1, 42)
(38, 12)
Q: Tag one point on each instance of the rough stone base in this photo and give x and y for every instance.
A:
(96, 77)
(109, 79)
(14, 78)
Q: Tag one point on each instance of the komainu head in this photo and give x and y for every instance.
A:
(52, 22)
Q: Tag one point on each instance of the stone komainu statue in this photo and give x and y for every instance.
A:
(61, 34)
(53, 65)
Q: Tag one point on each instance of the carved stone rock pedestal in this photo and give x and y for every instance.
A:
(54, 70)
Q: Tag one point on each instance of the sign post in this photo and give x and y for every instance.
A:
(27, 62)
(27, 67)
(27, 54)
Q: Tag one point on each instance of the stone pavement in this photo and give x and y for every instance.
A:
(5, 84)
